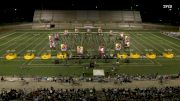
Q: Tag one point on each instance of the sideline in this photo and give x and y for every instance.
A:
(47, 84)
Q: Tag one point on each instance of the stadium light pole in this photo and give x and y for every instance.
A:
(132, 4)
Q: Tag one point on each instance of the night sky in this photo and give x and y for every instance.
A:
(151, 10)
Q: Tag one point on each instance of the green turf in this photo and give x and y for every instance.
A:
(23, 41)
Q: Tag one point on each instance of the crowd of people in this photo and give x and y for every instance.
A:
(118, 78)
(50, 95)
(155, 94)
(91, 94)
(172, 34)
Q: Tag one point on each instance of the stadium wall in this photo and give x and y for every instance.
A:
(61, 19)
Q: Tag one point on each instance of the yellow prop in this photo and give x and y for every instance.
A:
(45, 56)
(122, 56)
(61, 55)
(11, 56)
(135, 55)
(151, 55)
(168, 55)
(29, 56)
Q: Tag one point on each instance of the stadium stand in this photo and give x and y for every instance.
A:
(68, 19)
(91, 94)
(172, 34)
(128, 16)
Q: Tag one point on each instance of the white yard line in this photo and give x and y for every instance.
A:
(19, 45)
(168, 45)
(44, 40)
(138, 42)
(29, 44)
(42, 50)
(150, 40)
(82, 39)
(145, 47)
(24, 62)
(150, 60)
(7, 35)
(150, 45)
(158, 63)
(135, 45)
(5, 48)
(12, 44)
(29, 63)
(13, 39)
(165, 40)
(163, 45)
(171, 36)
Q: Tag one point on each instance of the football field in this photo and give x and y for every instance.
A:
(37, 42)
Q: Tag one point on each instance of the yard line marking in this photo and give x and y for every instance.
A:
(137, 41)
(42, 49)
(146, 47)
(12, 44)
(175, 48)
(8, 46)
(153, 42)
(42, 41)
(7, 35)
(66, 41)
(149, 44)
(29, 44)
(158, 63)
(165, 40)
(12, 39)
(135, 46)
(171, 36)
(40, 36)
(30, 62)
(141, 44)
(163, 45)
(19, 45)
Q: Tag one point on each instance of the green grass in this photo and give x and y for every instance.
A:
(24, 40)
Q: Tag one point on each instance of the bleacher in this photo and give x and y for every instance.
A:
(70, 19)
